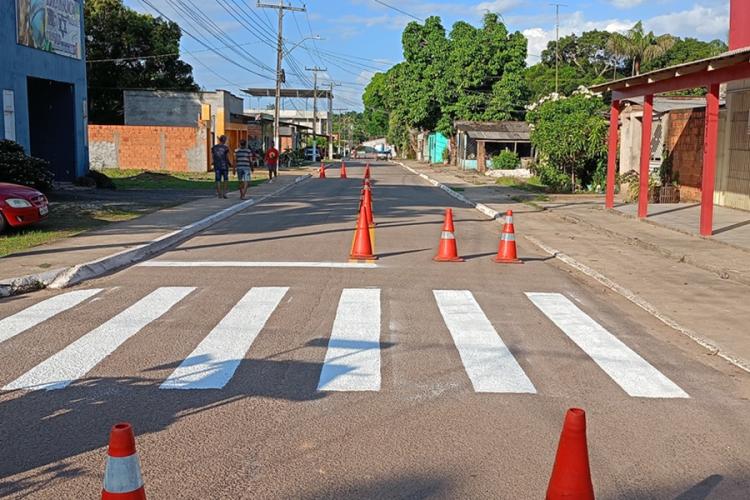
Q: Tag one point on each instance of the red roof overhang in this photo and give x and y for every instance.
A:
(723, 68)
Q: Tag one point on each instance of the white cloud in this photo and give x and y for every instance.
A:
(500, 6)
(626, 4)
(699, 22)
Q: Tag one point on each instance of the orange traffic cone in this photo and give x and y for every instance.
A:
(343, 169)
(506, 252)
(367, 170)
(362, 248)
(447, 251)
(367, 203)
(571, 476)
(322, 171)
(122, 476)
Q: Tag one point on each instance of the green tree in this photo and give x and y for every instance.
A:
(140, 51)
(375, 116)
(686, 50)
(638, 46)
(570, 134)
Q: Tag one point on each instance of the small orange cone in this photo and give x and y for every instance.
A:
(447, 251)
(362, 248)
(343, 169)
(367, 203)
(506, 252)
(122, 475)
(322, 171)
(571, 476)
(367, 170)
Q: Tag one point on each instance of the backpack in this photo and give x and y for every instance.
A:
(220, 156)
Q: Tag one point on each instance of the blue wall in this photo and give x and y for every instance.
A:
(436, 144)
(17, 62)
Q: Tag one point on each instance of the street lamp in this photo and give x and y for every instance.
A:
(314, 37)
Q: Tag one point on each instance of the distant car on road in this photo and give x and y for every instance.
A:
(384, 155)
(309, 154)
(21, 205)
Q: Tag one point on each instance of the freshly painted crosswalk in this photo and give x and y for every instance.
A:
(488, 362)
(352, 360)
(630, 371)
(212, 364)
(42, 311)
(81, 356)
(353, 350)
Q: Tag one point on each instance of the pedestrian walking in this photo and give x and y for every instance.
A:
(272, 163)
(243, 164)
(220, 158)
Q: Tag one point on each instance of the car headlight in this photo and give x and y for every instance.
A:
(18, 203)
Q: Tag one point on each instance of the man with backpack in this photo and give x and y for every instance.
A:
(220, 159)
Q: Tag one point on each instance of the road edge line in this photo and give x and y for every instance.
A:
(633, 297)
(68, 276)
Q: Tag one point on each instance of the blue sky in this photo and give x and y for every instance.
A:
(363, 36)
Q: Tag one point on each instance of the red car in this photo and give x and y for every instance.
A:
(21, 205)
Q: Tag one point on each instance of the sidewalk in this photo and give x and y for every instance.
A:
(698, 286)
(68, 260)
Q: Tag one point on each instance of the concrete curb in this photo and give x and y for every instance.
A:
(615, 287)
(61, 278)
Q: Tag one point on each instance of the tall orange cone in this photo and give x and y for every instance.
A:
(322, 171)
(367, 170)
(506, 252)
(447, 251)
(122, 476)
(367, 203)
(571, 476)
(343, 169)
(362, 248)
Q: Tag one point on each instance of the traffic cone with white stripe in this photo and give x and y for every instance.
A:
(122, 476)
(571, 475)
(367, 203)
(447, 251)
(506, 252)
(322, 171)
(343, 169)
(362, 247)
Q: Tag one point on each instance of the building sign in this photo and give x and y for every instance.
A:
(51, 25)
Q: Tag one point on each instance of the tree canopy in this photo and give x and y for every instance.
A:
(129, 50)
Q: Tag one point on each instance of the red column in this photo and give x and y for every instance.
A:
(648, 116)
(709, 160)
(614, 120)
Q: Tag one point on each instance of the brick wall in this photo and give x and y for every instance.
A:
(177, 149)
(685, 141)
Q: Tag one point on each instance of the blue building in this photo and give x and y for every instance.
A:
(43, 82)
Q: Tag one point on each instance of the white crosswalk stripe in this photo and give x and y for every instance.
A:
(42, 311)
(488, 362)
(630, 371)
(77, 359)
(213, 363)
(352, 361)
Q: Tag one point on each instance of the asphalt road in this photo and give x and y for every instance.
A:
(380, 382)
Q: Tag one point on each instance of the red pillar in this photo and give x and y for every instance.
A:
(614, 121)
(709, 160)
(648, 116)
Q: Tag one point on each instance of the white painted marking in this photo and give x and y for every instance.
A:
(233, 263)
(489, 364)
(76, 360)
(213, 362)
(630, 371)
(42, 311)
(352, 361)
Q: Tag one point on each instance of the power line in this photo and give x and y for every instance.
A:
(399, 10)
(169, 54)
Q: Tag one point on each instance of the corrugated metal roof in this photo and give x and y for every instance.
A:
(496, 131)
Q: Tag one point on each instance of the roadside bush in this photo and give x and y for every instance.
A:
(85, 181)
(19, 168)
(555, 179)
(101, 180)
(506, 160)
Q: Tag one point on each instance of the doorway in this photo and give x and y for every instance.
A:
(52, 125)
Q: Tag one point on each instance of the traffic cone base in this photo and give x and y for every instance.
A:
(448, 251)
(322, 171)
(571, 475)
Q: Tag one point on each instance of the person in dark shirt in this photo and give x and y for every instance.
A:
(220, 158)
(243, 164)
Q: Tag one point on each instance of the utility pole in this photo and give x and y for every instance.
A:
(315, 71)
(330, 120)
(557, 44)
(279, 55)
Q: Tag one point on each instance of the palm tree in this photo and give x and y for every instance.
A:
(638, 46)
